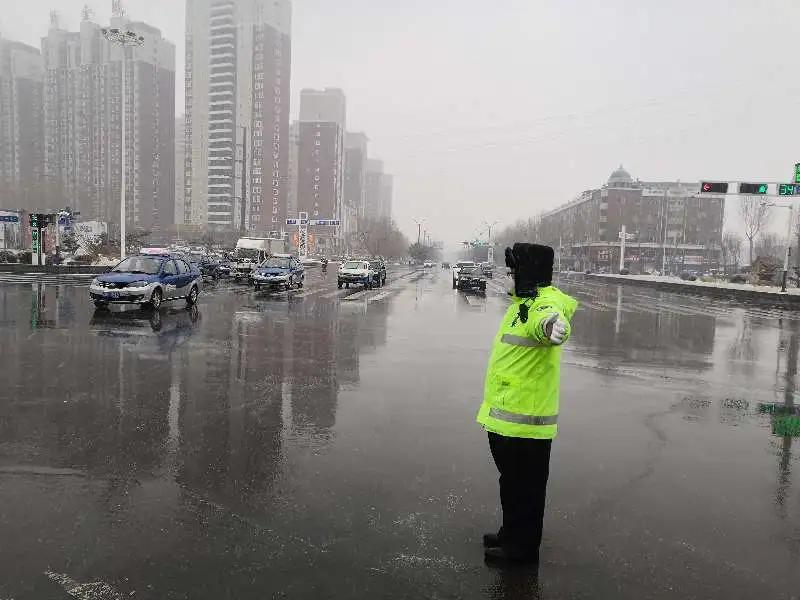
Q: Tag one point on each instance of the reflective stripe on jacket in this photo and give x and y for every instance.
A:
(522, 381)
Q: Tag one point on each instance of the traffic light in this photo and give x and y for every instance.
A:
(753, 188)
(714, 187)
(797, 173)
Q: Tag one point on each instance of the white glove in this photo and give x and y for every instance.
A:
(555, 329)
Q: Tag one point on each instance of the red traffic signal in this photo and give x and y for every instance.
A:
(714, 187)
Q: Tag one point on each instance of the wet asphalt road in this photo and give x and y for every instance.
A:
(308, 446)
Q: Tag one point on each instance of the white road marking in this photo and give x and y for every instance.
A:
(357, 295)
(473, 301)
(97, 590)
(380, 296)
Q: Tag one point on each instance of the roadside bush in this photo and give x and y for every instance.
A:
(24, 257)
(7, 256)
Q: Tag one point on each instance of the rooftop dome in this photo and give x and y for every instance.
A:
(620, 176)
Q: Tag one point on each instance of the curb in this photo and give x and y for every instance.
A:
(791, 301)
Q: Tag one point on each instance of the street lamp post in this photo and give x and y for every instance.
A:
(788, 248)
(490, 250)
(788, 241)
(419, 228)
(123, 39)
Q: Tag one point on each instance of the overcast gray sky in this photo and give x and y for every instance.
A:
(497, 110)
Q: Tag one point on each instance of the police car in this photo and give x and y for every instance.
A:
(148, 278)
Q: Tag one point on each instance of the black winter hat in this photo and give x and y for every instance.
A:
(532, 265)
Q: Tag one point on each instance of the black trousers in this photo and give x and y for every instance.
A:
(524, 466)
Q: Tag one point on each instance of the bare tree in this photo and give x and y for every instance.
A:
(731, 250)
(770, 245)
(755, 214)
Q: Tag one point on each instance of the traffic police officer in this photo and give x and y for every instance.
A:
(520, 406)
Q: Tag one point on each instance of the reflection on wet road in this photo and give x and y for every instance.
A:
(322, 444)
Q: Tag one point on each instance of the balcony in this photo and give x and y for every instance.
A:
(222, 93)
(222, 45)
(222, 27)
(222, 36)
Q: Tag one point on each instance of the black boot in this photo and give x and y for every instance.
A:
(509, 555)
(491, 540)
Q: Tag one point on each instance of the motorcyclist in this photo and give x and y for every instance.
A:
(324, 264)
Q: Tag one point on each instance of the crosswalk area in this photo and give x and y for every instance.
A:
(67, 279)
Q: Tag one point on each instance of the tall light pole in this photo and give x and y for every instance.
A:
(490, 250)
(788, 241)
(419, 223)
(123, 39)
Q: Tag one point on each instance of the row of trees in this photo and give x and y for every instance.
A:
(380, 237)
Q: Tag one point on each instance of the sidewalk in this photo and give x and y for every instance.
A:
(735, 291)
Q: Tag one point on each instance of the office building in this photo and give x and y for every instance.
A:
(238, 63)
(355, 174)
(669, 224)
(320, 169)
(21, 121)
(379, 192)
(82, 121)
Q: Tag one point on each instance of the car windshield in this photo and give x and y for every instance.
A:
(352, 264)
(246, 253)
(375, 264)
(277, 263)
(143, 265)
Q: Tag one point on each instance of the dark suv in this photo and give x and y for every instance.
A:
(380, 272)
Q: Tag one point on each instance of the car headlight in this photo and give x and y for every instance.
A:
(138, 284)
(96, 282)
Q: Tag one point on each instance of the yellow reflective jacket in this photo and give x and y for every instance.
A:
(521, 392)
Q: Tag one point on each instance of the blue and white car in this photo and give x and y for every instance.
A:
(279, 271)
(149, 280)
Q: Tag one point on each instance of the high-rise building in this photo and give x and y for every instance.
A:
(355, 173)
(82, 121)
(671, 225)
(294, 139)
(180, 156)
(320, 169)
(21, 122)
(238, 64)
(379, 192)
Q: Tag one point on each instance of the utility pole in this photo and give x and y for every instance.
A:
(623, 236)
(123, 39)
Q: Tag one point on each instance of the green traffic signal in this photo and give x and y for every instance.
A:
(753, 188)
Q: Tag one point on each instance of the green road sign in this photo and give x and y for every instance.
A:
(797, 173)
